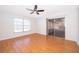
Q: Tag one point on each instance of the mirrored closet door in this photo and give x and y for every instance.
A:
(56, 27)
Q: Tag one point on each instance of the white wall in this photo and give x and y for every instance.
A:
(71, 25)
(7, 26)
(41, 25)
(78, 25)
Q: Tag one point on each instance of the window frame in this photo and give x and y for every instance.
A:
(22, 24)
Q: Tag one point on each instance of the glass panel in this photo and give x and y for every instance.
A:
(18, 25)
(18, 20)
(27, 22)
(26, 29)
(18, 30)
(27, 25)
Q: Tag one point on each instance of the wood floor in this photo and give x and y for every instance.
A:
(37, 43)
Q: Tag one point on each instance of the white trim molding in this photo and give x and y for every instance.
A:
(78, 43)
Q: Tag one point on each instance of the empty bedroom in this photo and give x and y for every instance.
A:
(39, 29)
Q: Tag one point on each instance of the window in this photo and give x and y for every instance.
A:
(21, 25)
(27, 25)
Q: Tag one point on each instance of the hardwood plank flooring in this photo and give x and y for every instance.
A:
(37, 43)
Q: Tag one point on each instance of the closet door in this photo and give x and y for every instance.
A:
(59, 27)
(50, 27)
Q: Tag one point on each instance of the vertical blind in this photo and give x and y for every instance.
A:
(27, 25)
(21, 25)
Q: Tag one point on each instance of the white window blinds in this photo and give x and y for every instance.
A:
(21, 25)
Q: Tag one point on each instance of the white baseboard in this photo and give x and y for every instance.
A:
(78, 43)
(70, 39)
